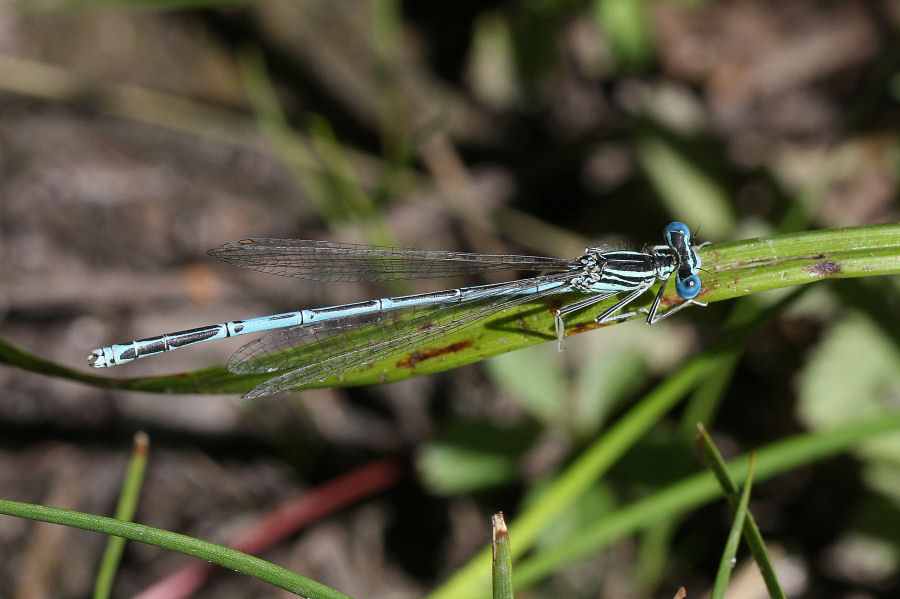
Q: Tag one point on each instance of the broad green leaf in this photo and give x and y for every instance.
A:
(535, 378)
(627, 27)
(857, 360)
(685, 188)
(466, 456)
(608, 373)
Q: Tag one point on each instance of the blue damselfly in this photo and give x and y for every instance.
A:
(312, 345)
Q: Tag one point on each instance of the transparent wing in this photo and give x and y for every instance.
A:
(315, 355)
(285, 349)
(330, 261)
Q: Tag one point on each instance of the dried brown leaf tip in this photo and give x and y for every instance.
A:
(498, 525)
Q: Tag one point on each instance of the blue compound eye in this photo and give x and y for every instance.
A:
(677, 227)
(689, 287)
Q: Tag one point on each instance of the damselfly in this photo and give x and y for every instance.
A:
(311, 345)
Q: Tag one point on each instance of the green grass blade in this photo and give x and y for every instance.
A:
(128, 500)
(595, 461)
(751, 530)
(209, 380)
(742, 267)
(223, 556)
(695, 491)
(580, 476)
(502, 559)
(729, 555)
(732, 270)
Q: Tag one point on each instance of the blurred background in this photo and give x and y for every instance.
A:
(136, 135)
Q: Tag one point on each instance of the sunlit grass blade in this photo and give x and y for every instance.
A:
(691, 493)
(580, 476)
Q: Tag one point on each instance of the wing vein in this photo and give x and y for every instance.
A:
(330, 261)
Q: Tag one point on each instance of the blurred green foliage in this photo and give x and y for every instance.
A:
(532, 127)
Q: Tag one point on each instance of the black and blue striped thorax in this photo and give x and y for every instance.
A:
(620, 270)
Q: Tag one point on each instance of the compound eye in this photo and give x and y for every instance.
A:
(677, 228)
(689, 287)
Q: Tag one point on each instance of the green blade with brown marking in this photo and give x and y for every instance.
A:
(730, 270)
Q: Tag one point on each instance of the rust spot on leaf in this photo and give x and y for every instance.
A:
(421, 355)
(583, 328)
(824, 268)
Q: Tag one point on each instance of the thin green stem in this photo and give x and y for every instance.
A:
(729, 555)
(695, 491)
(501, 571)
(223, 556)
(128, 500)
(580, 476)
(751, 531)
